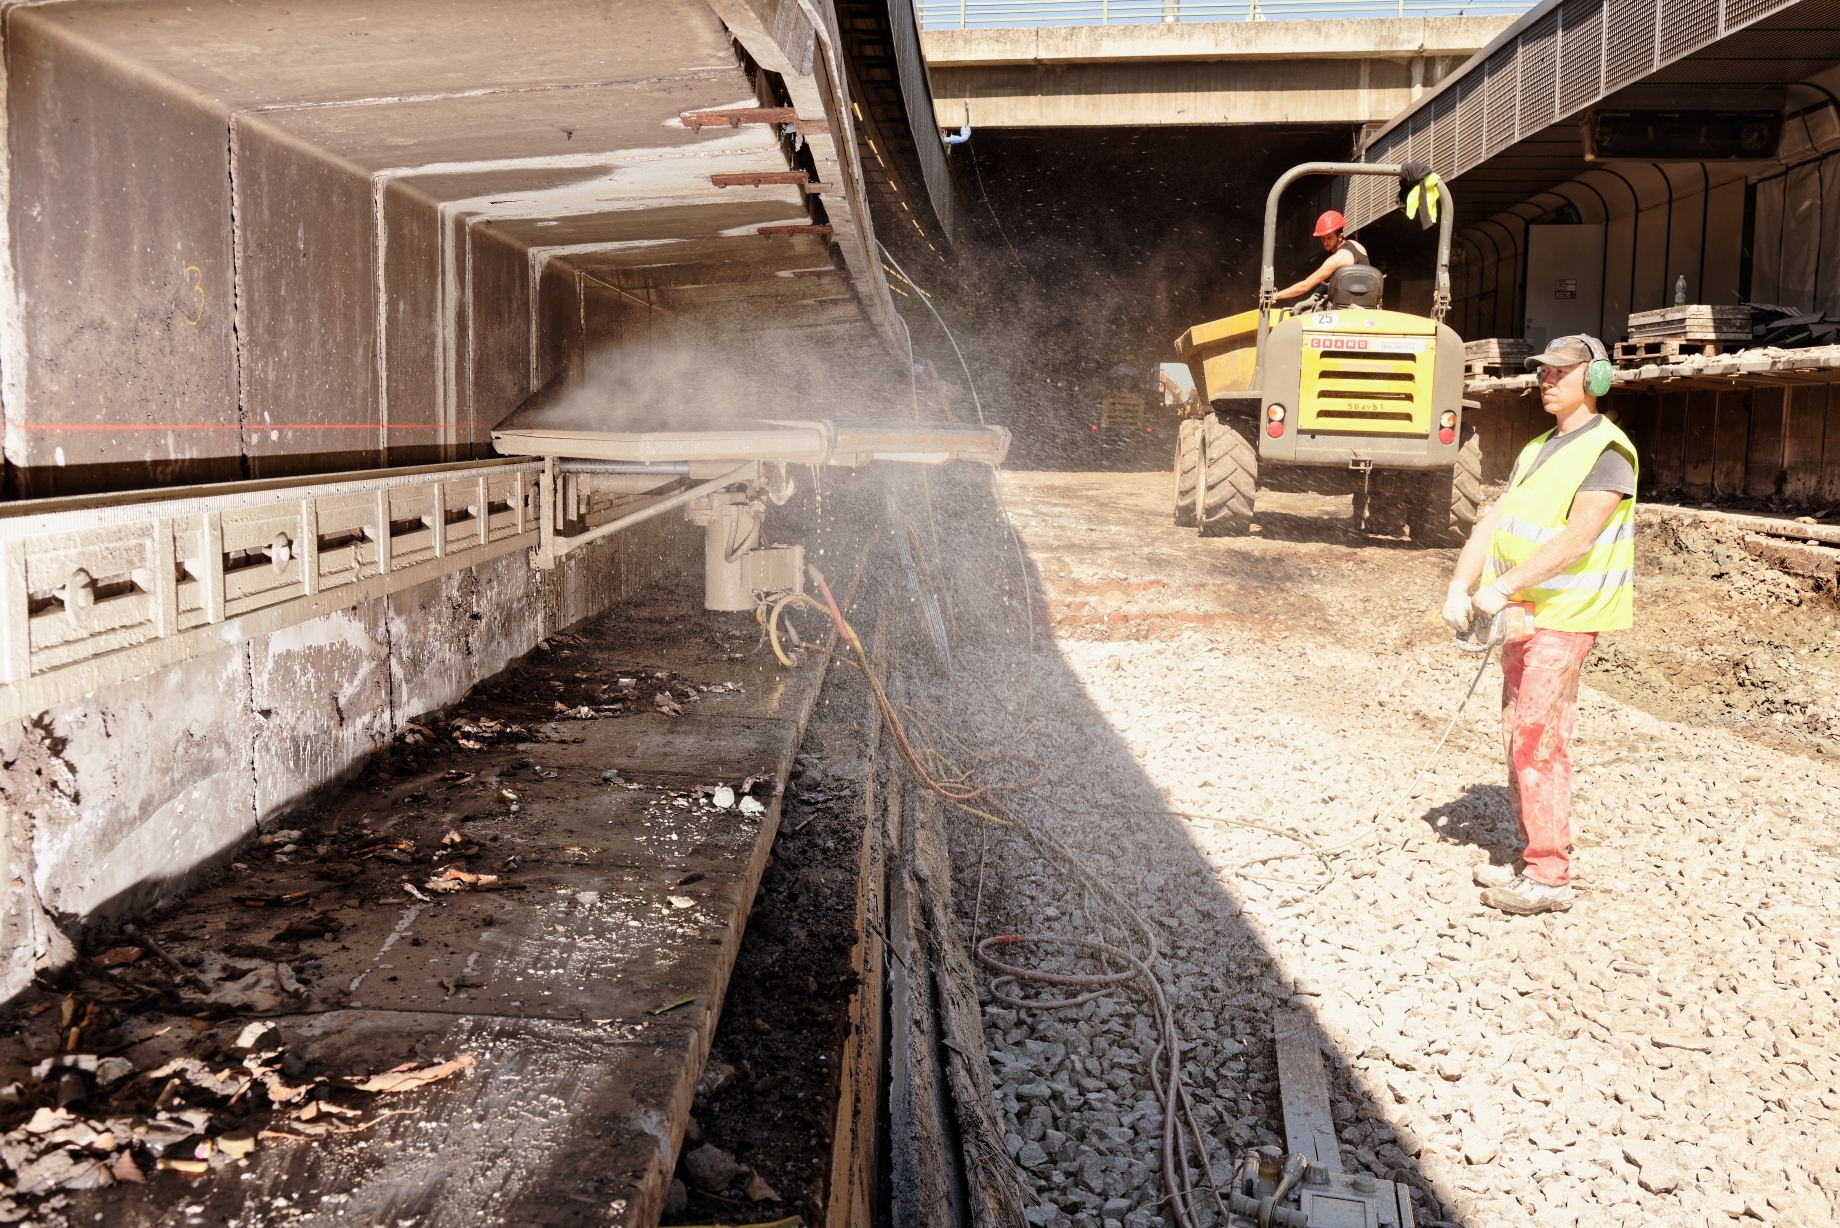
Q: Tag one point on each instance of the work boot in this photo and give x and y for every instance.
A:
(1486, 875)
(1525, 897)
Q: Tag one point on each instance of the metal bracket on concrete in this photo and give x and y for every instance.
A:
(95, 590)
(1327, 1195)
(754, 179)
(696, 121)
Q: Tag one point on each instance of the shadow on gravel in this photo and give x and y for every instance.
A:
(1076, 1105)
(1476, 819)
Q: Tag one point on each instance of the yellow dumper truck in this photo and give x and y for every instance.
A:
(1334, 395)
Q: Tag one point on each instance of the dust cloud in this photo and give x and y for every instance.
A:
(686, 382)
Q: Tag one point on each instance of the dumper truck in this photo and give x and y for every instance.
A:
(1334, 395)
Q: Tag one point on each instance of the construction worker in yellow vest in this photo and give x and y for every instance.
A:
(1561, 543)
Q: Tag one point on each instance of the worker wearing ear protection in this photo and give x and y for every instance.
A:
(1561, 542)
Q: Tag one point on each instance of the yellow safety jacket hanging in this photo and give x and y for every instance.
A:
(1427, 188)
(1597, 593)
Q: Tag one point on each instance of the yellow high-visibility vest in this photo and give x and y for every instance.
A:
(1597, 593)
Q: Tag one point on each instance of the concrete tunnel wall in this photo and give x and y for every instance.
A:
(1661, 222)
(238, 249)
(254, 240)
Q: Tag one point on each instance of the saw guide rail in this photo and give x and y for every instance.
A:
(96, 590)
(738, 472)
(99, 589)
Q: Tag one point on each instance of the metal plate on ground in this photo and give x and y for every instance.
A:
(1308, 1126)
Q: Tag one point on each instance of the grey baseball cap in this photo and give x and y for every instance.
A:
(1562, 352)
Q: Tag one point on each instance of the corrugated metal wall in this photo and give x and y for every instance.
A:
(1553, 64)
(1660, 223)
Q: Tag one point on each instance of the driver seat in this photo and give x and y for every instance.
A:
(1356, 285)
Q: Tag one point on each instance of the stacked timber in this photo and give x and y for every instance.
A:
(1670, 333)
(1495, 356)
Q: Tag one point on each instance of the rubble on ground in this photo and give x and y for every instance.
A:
(95, 1121)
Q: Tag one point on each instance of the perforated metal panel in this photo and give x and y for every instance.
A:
(1716, 72)
(1539, 53)
(1472, 130)
(1369, 196)
(1442, 139)
(1499, 75)
(1418, 145)
(1629, 51)
(1742, 12)
(1571, 54)
(1581, 43)
(1686, 25)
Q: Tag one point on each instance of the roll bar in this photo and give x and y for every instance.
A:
(1268, 281)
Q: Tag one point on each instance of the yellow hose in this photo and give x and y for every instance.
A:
(773, 622)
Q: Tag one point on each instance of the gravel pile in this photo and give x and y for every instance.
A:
(1662, 1054)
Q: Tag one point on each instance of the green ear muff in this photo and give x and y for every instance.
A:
(1597, 377)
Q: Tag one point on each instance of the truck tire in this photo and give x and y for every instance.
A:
(1445, 511)
(1188, 471)
(1229, 476)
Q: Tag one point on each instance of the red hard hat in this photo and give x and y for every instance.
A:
(1329, 223)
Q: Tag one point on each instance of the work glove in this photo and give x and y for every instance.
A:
(1457, 609)
(1489, 601)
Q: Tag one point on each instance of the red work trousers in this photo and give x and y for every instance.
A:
(1539, 706)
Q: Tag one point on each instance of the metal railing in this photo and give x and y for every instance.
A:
(984, 14)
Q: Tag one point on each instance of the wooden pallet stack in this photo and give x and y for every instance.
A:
(1671, 333)
(1495, 356)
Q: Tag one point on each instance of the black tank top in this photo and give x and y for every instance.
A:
(1354, 248)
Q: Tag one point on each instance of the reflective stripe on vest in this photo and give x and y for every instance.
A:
(1597, 593)
(1613, 532)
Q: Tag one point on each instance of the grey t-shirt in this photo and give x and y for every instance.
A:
(1611, 472)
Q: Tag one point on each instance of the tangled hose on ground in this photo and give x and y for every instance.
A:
(1182, 1134)
(1178, 1140)
(986, 791)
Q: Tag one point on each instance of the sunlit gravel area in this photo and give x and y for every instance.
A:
(1661, 1054)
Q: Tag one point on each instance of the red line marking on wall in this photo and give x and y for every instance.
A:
(218, 426)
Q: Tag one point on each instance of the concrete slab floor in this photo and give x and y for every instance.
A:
(584, 986)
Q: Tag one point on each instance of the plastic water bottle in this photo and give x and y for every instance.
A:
(1680, 291)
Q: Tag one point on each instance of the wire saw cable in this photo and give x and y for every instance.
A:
(963, 365)
(971, 152)
(996, 489)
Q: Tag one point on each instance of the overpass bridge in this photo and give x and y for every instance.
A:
(1351, 71)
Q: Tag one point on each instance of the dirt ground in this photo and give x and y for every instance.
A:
(1223, 724)
(1225, 727)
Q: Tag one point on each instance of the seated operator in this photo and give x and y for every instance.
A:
(1342, 250)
